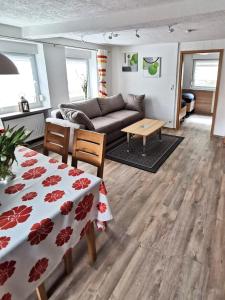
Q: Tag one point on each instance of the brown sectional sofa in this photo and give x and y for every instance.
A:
(108, 115)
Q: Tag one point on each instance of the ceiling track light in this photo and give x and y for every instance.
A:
(189, 30)
(170, 29)
(137, 34)
(112, 35)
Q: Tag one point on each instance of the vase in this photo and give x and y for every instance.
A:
(6, 174)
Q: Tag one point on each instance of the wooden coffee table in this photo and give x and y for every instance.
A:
(143, 128)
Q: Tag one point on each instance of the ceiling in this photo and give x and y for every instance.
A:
(94, 20)
(39, 12)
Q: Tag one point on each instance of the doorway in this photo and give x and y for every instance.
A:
(198, 87)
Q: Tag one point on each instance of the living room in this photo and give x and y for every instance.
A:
(89, 85)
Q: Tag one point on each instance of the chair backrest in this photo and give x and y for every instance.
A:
(89, 147)
(57, 140)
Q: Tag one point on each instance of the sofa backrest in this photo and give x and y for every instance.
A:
(90, 107)
(111, 104)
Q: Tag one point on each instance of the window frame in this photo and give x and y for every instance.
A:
(197, 87)
(74, 99)
(37, 104)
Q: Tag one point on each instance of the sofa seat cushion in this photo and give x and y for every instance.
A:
(110, 104)
(127, 117)
(106, 125)
(188, 97)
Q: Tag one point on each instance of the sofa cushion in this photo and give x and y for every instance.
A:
(106, 125)
(76, 116)
(89, 107)
(127, 117)
(110, 104)
(188, 97)
(135, 102)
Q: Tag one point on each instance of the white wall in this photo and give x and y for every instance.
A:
(160, 92)
(206, 45)
(55, 60)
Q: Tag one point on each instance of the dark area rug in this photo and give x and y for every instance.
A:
(156, 152)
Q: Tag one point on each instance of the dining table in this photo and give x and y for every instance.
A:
(45, 210)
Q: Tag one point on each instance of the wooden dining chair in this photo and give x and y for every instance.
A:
(57, 140)
(89, 147)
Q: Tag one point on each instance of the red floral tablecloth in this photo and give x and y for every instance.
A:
(44, 211)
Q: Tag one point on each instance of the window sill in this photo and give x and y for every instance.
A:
(19, 114)
(198, 88)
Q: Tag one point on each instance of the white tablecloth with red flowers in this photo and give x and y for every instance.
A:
(44, 212)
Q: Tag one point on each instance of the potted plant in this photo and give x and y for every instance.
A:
(10, 138)
(84, 86)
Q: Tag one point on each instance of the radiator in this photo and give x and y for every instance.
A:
(34, 123)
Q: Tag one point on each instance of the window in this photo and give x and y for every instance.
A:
(24, 84)
(77, 74)
(205, 73)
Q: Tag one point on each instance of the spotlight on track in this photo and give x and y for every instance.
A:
(110, 36)
(170, 29)
(137, 34)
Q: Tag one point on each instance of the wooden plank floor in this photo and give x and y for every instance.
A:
(167, 240)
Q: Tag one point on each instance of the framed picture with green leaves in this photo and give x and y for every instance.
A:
(152, 67)
(130, 62)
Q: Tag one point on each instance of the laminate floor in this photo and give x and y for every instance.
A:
(167, 239)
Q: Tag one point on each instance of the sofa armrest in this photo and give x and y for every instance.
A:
(65, 123)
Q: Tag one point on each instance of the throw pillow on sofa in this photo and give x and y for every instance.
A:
(76, 116)
(111, 104)
(135, 102)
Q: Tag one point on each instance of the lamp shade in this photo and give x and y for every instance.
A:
(7, 67)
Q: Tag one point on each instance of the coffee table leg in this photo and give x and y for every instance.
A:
(144, 146)
(160, 134)
(128, 142)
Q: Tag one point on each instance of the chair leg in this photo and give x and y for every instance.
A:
(74, 162)
(68, 262)
(65, 158)
(41, 293)
(90, 237)
(100, 172)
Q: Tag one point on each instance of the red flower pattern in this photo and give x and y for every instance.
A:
(62, 166)
(7, 269)
(54, 196)
(22, 149)
(81, 183)
(51, 180)
(75, 172)
(29, 163)
(40, 231)
(101, 207)
(30, 153)
(84, 207)
(53, 161)
(7, 296)
(64, 236)
(34, 173)
(38, 269)
(66, 207)
(85, 229)
(12, 217)
(102, 189)
(29, 196)
(14, 188)
(4, 241)
(2, 130)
